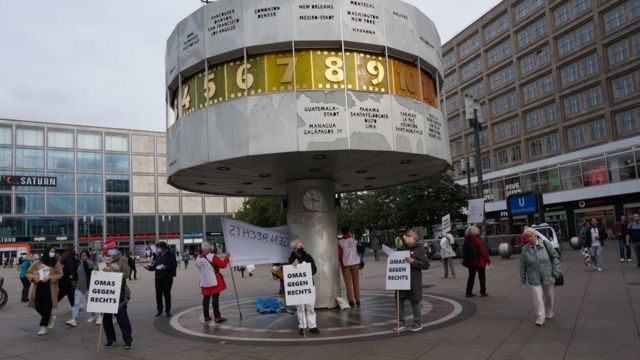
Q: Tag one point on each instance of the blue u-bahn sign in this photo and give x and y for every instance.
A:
(523, 204)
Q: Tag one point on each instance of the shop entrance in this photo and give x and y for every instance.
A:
(606, 215)
(558, 220)
(630, 209)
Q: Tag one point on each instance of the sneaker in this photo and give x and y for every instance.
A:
(99, 320)
(415, 327)
(71, 322)
(402, 327)
(128, 346)
(207, 319)
(52, 321)
(539, 322)
(109, 344)
(484, 295)
(469, 295)
(314, 331)
(42, 331)
(599, 269)
(629, 260)
(550, 315)
(621, 260)
(221, 319)
(91, 319)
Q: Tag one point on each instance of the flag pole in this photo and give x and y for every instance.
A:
(235, 290)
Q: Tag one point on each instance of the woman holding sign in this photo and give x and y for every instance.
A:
(43, 297)
(418, 261)
(211, 281)
(299, 256)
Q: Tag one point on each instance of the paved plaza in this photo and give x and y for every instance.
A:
(597, 317)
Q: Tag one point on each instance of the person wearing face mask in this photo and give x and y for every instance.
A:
(164, 266)
(299, 256)
(43, 297)
(418, 261)
(211, 281)
(595, 236)
(81, 292)
(115, 262)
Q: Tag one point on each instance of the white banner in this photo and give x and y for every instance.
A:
(104, 292)
(476, 211)
(298, 284)
(398, 271)
(250, 244)
(446, 224)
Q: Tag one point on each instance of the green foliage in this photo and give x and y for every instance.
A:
(262, 211)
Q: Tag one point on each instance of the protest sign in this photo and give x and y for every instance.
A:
(446, 224)
(251, 244)
(398, 271)
(476, 211)
(298, 284)
(104, 292)
(387, 250)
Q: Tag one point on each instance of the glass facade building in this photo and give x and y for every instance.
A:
(559, 85)
(110, 184)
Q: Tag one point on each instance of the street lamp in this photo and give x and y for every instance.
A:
(474, 116)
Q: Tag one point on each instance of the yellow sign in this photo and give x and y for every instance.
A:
(324, 70)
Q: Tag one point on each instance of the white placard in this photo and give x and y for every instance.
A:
(298, 284)
(398, 271)
(104, 292)
(252, 244)
(446, 224)
(476, 211)
(471, 105)
(387, 250)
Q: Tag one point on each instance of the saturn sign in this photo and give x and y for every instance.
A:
(13, 180)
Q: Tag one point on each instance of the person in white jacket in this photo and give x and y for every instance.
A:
(447, 254)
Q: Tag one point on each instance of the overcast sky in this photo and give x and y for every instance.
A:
(101, 63)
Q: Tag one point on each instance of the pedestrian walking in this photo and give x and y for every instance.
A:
(306, 313)
(418, 261)
(475, 259)
(621, 235)
(164, 266)
(595, 236)
(81, 290)
(211, 281)
(118, 264)
(26, 263)
(539, 268)
(376, 247)
(447, 254)
(633, 235)
(350, 266)
(43, 296)
(131, 261)
(185, 258)
(70, 272)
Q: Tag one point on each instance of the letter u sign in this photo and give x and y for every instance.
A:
(521, 202)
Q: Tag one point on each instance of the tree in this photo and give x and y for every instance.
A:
(263, 211)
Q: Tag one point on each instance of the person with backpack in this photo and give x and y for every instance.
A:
(211, 281)
(539, 268)
(164, 266)
(476, 259)
(447, 254)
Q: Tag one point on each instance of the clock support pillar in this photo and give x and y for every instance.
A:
(318, 231)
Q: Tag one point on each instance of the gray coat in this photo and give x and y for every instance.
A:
(418, 253)
(535, 266)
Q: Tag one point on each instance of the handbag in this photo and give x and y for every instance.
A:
(559, 279)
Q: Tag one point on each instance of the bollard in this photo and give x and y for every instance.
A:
(505, 250)
(575, 243)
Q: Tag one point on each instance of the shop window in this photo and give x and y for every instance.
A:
(621, 167)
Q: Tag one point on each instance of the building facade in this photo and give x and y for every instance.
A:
(109, 184)
(559, 85)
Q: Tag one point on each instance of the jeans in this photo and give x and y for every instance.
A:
(416, 307)
(351, 275)
(123, 323)
(216, 305)
(43, 302)
(625, 250)
(542, 300)
(472, 279)
(376, 255)
(133, 272)
(308, 314)
(596, 256)
(25, 288)
(163, 289)
(186, 263)
(636, 248)
(79, 299)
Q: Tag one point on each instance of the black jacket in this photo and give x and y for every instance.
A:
(421, 262)
(304, 258)
(69, 269)
(168, 259)
(602, 233)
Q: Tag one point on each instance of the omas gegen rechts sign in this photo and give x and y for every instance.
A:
(15, 180)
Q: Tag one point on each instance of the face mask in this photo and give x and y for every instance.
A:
(300, 250)
(52, 254)
(112, 252)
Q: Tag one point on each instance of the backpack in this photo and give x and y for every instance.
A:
(469, 250)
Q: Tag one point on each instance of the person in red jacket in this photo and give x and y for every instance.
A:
(211, 281)
(476, 259)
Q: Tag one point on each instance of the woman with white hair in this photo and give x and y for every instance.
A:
(211, 281)
(539, 267)
(306, 311)
(447, 254)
